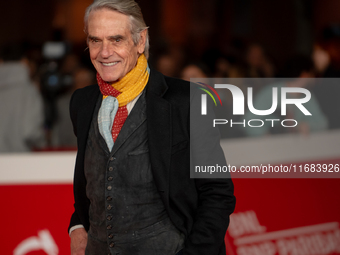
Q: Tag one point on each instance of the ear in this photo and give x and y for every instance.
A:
(142, 41)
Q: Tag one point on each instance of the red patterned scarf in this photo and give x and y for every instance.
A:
(125, 90)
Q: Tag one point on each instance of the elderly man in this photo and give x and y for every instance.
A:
(132, 188)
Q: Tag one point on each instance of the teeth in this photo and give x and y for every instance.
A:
(110, 64)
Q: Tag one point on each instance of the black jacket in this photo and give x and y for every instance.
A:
(200, 208)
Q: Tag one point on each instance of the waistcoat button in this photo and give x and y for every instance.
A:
(109, 187)
(109, 207)
(110, 168)
(109, 198)
(109, 217)
(110, 178)
(110, 236)
(109, 227)
(112, 244)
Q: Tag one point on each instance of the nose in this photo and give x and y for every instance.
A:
(106, 50)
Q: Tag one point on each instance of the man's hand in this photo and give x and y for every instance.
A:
(78, 241)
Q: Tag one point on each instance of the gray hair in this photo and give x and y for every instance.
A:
(127, 7)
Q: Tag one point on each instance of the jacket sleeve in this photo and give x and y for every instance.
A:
(79, 216)
(216, 199)
(216, 203)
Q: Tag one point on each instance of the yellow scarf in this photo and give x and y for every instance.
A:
(133, 83)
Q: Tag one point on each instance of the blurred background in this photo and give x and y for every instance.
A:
(189, 39)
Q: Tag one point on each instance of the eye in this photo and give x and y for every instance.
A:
(118, 39)
(94, 40)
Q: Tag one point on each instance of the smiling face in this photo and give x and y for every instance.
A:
(112, 50)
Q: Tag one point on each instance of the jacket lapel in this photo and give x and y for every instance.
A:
(159, 124)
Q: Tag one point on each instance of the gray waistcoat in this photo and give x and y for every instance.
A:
(127, 215)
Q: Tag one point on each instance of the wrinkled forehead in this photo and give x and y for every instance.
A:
(109, 18)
